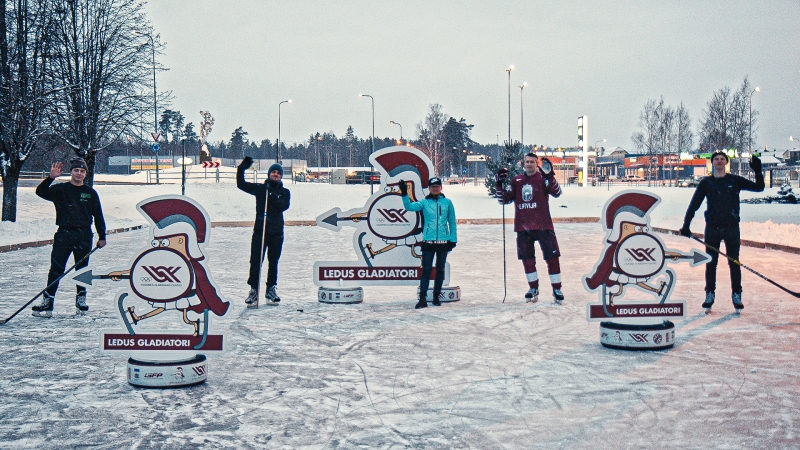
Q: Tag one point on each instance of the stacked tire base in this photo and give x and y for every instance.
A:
(448, 294)
(356, 295)
(340, 295)
(167, 374)
(657, 336)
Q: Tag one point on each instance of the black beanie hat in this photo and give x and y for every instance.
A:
(77, 162)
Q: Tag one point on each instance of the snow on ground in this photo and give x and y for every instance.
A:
(477, 374)
(774, 223)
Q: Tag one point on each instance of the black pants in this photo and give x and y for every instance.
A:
(272, 246)
(428, 252)
(714, 236)
(75, 241)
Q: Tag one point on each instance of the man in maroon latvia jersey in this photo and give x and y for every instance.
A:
(530, 193)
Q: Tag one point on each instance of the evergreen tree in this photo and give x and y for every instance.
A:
(189, 134)
(509, 158)
(238, 143)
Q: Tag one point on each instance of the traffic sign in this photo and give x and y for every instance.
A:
(476, 158)
(207, 164)
(464, 171)
(155, 136)
(155, 147)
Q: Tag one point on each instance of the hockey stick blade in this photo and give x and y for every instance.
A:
(738, 263)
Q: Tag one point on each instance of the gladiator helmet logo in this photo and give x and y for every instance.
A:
(527, 193)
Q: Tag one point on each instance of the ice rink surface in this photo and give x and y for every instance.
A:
(476, 374)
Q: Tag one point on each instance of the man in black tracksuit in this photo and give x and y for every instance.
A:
(721, 191)
(76, 205)
(272, 230)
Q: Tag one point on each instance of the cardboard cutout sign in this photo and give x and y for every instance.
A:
(387, 237)
(635, 257)
(167, 278)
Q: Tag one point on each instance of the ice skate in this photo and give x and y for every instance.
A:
(737, 302)
(532, 296)
(709, 302)
(558, 296)
(252, 299)
(80, 305)
(45, 308)
(422, 303)
(272, 296)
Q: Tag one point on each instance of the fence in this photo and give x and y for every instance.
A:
(27, 175)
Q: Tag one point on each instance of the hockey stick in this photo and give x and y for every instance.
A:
(738, 263)
(5, 321)
(505, 288)
(263, 241)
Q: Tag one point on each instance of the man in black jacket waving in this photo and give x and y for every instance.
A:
(721, 192)
(76, 206)
(272, 199)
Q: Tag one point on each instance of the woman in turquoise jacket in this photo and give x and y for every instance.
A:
(438, 236)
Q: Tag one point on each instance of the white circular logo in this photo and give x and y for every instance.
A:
(640, 255)
(161, 275)
(389, 220)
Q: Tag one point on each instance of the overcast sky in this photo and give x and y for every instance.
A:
(604, 59)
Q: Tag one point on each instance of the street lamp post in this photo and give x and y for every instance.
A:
(750, 131)
(521, 116)
(372, 169)
(183, 167)
(597, 155)
(319, 160)
(278, 149)
(510, 68)
(155, 97)
(401, 130)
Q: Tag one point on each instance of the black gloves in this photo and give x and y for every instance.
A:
(755, 164)
(403, 188)
(501, 175)
(685, 231)
(246, 163)
(547, 168)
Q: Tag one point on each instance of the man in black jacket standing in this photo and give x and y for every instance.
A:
(721, 192)
(76, 205)
(268, 229)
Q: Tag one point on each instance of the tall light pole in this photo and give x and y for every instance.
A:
(155, 96)
(372, 169)
(750, 131)
(510, 68)
(521, 116)
(278, 148)
(597, 155)
(597, 142)
(319, 160)
(401, 130)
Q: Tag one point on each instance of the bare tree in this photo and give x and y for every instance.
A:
(103, 63)
(649, 139)
(683, 131)
(431, 135)
(666, 116)
(714, 133)
(25, 48)
(726, 120)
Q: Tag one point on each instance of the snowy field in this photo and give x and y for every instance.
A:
(477, 374)
(773, 223)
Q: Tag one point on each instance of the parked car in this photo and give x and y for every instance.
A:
(689, 182)
(632, 178)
